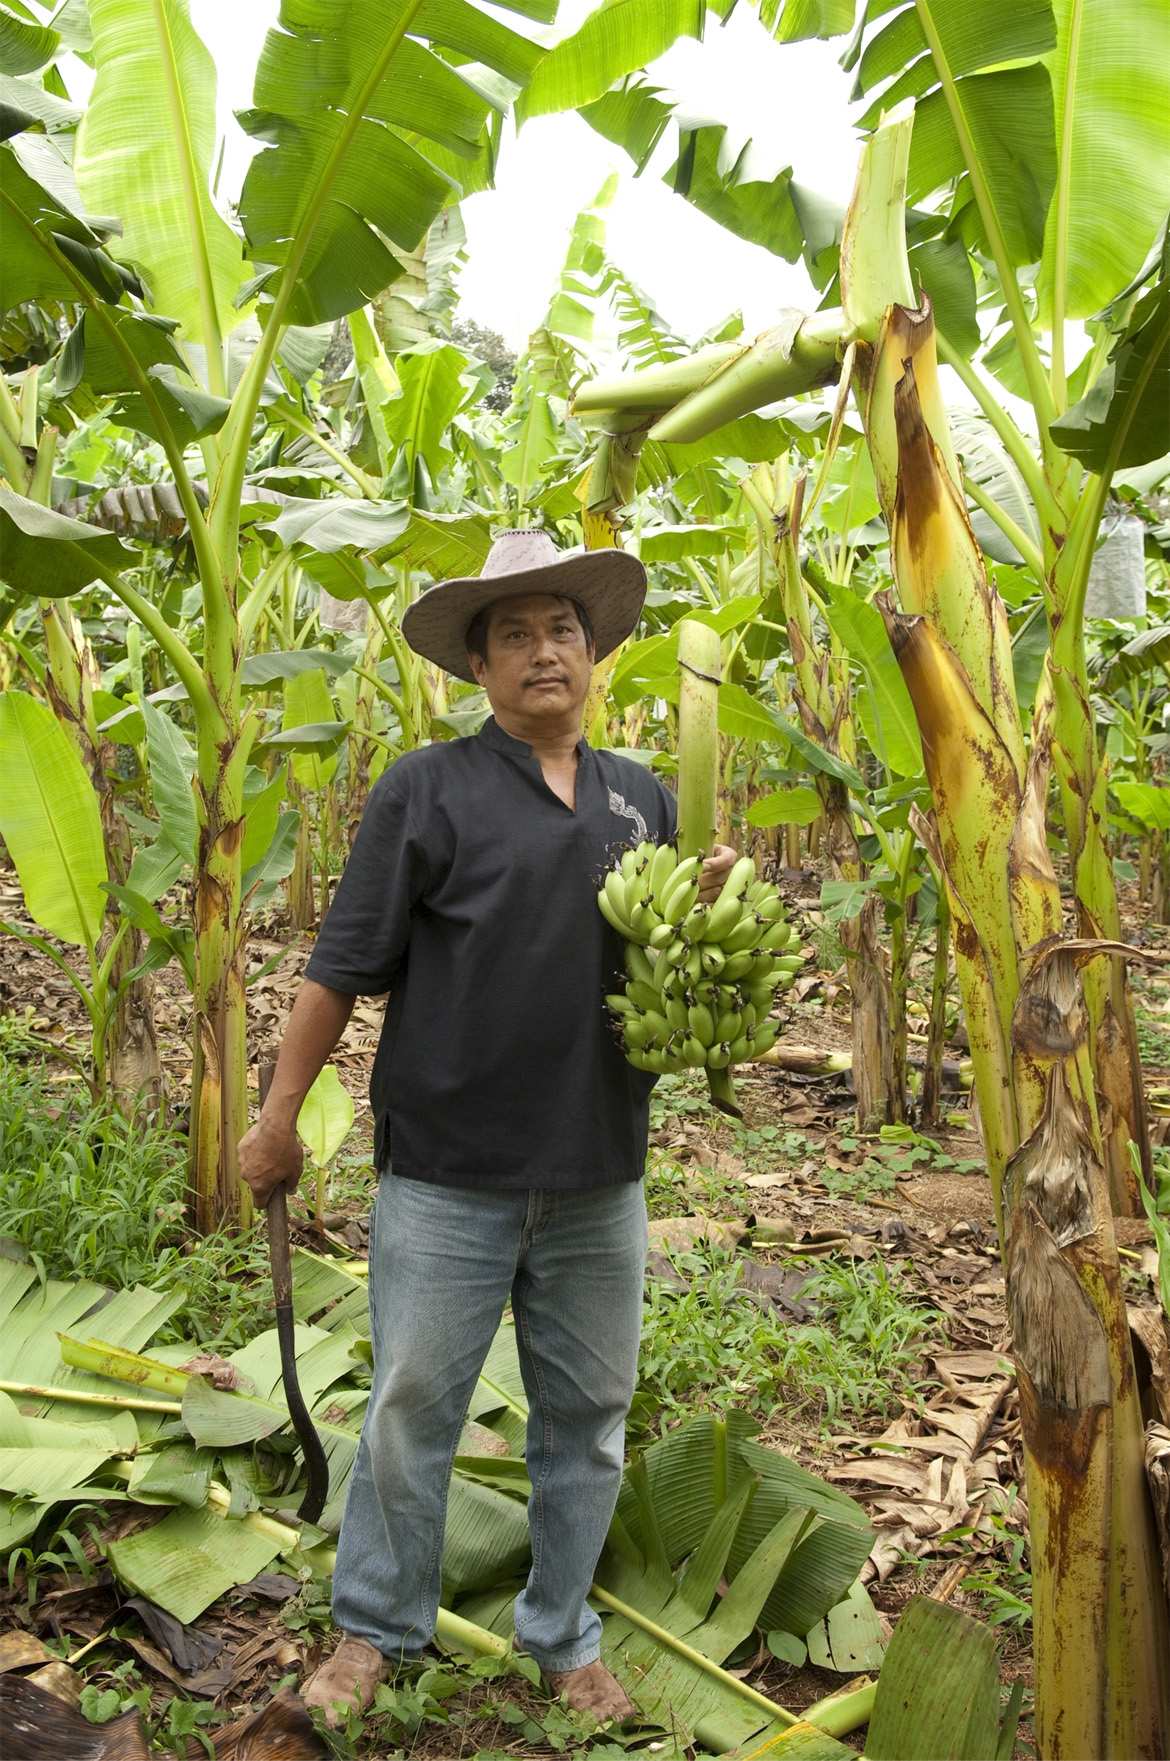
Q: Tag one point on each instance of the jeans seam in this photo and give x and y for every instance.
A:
(441, 1535)
(521, 1316)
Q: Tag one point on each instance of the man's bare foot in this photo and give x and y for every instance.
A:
(347, 1680)
(592, 1689)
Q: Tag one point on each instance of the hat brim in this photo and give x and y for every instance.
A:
(610, 584)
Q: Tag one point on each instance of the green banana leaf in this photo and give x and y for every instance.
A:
(259, 671)
(47, 554)
(1110, 73)
(938, 1696)
(990, 70)
(308, 705)
(145, 150)
(1124, 418)
(47, 1461)
(615, 40)
(751, 198)
(50, 248)
(25, 45)
(192, 1556)
(262, 803)
(861, 631)
(797, 806)
(432, 391)
(171, 761)
(324, 1290)
(687, 1476)
(342, 168)
(326, 1116)
(30, 1316)
(440, 545)
(50, 821)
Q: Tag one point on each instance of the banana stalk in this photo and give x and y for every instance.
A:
(601, 496)
(700, 670)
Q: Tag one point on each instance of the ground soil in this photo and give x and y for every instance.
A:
(937, 1220)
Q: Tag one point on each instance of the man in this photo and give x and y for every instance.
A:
(510, 1130)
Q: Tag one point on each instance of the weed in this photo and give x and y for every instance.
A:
(861, 1351)
(1003, 1584)
(859, 1354)
(89, 1194)
(1153, 1041)
(673, 1189)
(691, 1337)
(62, 1550)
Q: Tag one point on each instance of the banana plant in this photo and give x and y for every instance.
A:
(1038, 120)
(343, 168)
(51, 823)
(323, 1124)
(1098, 1599)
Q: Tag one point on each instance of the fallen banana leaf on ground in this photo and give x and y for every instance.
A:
(787, 1546)
(938, 1699)
(709, 1497)
(38, 1724)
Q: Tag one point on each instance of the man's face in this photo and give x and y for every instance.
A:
(538, 664)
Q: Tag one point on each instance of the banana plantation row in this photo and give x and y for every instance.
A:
(926, 643)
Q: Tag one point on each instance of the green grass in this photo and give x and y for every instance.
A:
(711, 1347)
(89, 1194)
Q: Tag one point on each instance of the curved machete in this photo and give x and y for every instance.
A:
(316, 1463)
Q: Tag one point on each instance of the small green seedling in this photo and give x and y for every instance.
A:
(323, 1124)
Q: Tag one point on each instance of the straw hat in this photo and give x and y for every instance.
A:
(610, 584)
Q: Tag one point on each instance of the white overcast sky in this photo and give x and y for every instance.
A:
(793, 101)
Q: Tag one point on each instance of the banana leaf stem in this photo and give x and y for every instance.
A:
(671, 1642)
(120, 1402)
(838, 1714)
(464, 1635)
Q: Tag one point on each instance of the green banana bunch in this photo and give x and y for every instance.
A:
(702, 978)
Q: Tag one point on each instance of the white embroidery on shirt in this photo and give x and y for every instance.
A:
(621, 807)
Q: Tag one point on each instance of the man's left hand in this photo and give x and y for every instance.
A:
(715, 871)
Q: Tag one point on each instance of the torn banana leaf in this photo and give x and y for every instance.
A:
(938, 1697)
(30, 1366)
(190, 1558)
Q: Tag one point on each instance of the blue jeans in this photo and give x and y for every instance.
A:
(443, 1262)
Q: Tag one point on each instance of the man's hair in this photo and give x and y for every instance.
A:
(477, 629)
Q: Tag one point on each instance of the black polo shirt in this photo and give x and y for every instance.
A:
(471, 896)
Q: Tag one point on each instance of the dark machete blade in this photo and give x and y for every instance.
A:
(316, 1463)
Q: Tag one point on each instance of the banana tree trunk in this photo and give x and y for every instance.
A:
(219, 1075)
(1112, 1027)
(131, 1073)
(361, 749)
(820, 691)
(1102, 1678)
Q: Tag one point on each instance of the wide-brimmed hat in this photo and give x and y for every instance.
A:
(610, 584)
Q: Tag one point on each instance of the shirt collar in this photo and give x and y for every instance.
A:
(493, 735)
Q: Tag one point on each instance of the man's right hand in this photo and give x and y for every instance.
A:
(268, 1157)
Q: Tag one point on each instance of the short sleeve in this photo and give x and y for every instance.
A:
(367, 927)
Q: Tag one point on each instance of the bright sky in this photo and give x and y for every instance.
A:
(793, 101)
